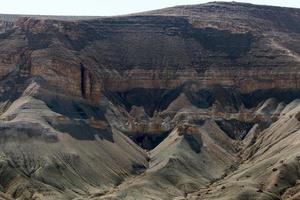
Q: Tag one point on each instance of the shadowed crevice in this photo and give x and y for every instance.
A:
(235, 129)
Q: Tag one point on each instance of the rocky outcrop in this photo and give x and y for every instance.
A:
(164, 49)
(184, 102)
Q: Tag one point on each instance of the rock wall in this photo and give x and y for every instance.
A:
(158, 50)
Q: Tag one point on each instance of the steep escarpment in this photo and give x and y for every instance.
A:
(189, 102)
(164, 49)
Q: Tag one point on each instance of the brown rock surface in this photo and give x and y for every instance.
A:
(189, 102)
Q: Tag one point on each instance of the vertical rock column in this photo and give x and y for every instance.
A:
(90, 85)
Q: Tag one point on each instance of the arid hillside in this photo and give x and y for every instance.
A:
(188, 102)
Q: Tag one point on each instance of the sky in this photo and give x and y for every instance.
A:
(108, 7)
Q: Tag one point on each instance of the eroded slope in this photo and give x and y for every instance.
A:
(196, 102)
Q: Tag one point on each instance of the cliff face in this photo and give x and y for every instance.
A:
(187, 98)
(162, 49)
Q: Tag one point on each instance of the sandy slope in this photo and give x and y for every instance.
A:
(189, 102)
(202, 157)
(49, 155)
(270, 167)
(57, 147)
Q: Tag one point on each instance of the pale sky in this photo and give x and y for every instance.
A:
(107, 7)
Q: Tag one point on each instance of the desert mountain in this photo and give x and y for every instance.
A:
(188, 102)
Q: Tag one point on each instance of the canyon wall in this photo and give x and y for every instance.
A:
(159, 50)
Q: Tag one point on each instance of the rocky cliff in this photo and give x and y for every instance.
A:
(184, 102)
(162, 49)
